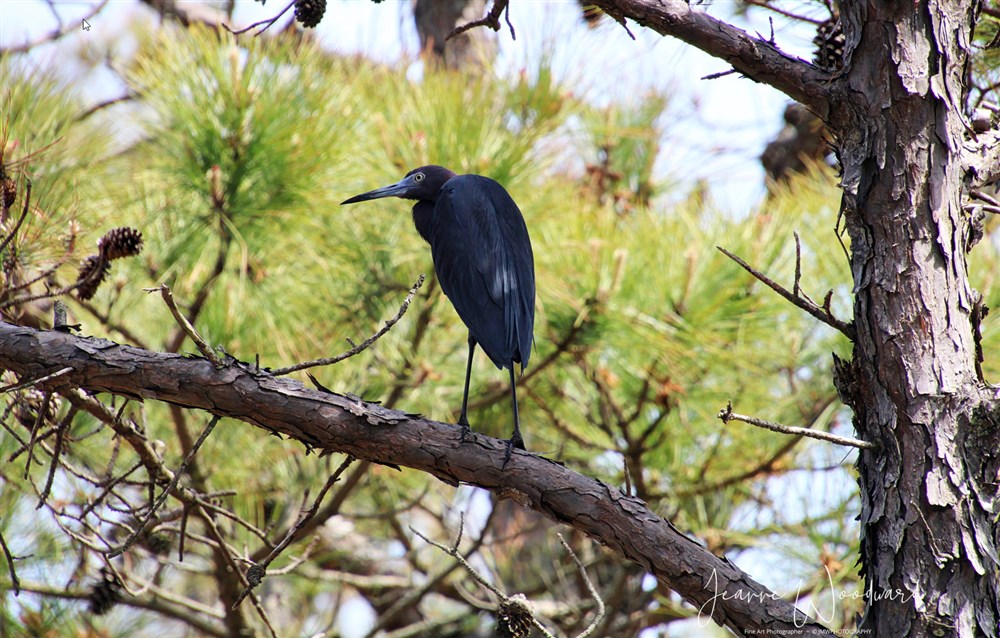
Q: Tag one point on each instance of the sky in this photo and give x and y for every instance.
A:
(714, 129)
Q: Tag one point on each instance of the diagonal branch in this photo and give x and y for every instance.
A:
(185, 325)
(357, 349)
(371, 432)
(823, 314)
(751, 56)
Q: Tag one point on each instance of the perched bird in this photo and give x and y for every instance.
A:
(483, 259)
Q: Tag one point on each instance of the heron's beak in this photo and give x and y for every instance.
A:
(395, 190)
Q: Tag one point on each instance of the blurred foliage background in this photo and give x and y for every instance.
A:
(231, 159)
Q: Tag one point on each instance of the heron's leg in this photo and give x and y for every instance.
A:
(463, 419)
(515, 438)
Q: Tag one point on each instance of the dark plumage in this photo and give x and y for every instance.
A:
(483, 259)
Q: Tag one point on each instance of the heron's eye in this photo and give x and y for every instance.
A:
(419, 177)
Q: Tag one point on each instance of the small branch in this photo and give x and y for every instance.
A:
(361, 346)
(166, 492)
(727, 415)
(978, 194)
(491, 20)
(720, 74)
(788, 14)
(619, 17)
(590, 588)
(46, 378)
(54, 35)
(805, 304)
(267, 23)
(257, 571)
(103, 104)
(56, 451)
(15, 584)
(796, 289)
(203, 347)
(39, 419)
(516, 604)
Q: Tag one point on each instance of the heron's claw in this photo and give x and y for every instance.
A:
(514, 442)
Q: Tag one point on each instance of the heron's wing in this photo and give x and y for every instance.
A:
(483, 259)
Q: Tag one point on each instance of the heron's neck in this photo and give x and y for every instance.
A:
(422, 213)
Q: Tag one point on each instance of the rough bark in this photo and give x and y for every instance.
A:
(929, 495)
(335, 423)
(929, 492)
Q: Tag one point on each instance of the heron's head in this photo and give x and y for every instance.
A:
(421, 183)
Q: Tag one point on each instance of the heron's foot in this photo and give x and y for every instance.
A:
(463, 421)
(515, 442)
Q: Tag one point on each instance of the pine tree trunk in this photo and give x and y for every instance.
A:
(929, 492)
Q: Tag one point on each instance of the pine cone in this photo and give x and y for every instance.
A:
(514, 620)
(93, 271)
(309, 12)
(829, 42)
(105, 593)
(9, 191)
(120, 242)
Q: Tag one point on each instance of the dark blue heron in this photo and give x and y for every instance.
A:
(482, 257)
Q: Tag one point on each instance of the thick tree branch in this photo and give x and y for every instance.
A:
(337, 423)
(753, 57)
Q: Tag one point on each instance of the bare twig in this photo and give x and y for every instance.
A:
(788, 14)
(103, 104)
(166, 492)
(720, 74)
(619, 17)
(230, 564)
(39, 419)
(979, 194)
(491, 20)
(361, 346)
(107, 489)
(52, 36)
(796, 289)
(56, 451)
(15, 584)
(414, 596)
(203, 347)
(45, 379)
(257, 571)
(180, 611)
(518, 601)
(590, 588)
(727, 415)
(267, 23)
(805, 304)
